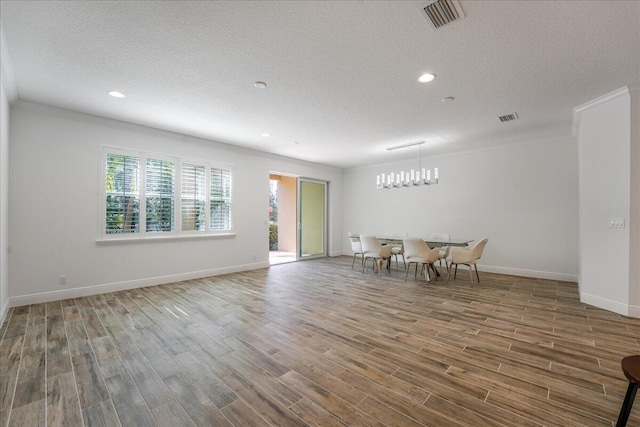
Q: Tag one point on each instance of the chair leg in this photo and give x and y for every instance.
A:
(626, 406)
(403, 262)
(364, 263)
(455, 272)
(407, 272)
(471, 275)
(354, 260)
(449, 272)
(433, 268)
(476, 267)
(426, 272)
(396, 257)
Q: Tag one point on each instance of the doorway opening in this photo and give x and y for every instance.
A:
(297, 218)
(282, 219)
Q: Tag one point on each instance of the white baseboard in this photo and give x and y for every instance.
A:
(634, 311)
(3, 311)
(607, 304)
(130, 284)
(336, 253)
(549, 275)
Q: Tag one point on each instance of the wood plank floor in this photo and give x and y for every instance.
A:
(317, 343)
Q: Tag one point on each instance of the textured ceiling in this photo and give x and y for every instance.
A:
(342, 76)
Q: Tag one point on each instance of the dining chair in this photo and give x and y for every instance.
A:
(399, 250)
(444, 250)
(416, 251)
(374, 250)
(356, 247)
(466, 257)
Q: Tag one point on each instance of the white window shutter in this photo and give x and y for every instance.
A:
(193, 198)
(220, 200)
(160, 196)
(122, 188)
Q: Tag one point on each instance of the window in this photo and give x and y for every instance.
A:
(194, 197)
(122, 207)
(220, 200)
(160, 177)
(152, 195)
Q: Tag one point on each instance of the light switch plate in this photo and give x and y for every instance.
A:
(616, 223)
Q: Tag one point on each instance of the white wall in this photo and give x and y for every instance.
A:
(634, 222)
(604, 164)
(4, 197)
(524, 198)
(55, 180)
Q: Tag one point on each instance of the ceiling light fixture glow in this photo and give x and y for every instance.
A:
(448, 99)
(116, 94)
(426, 78)
(260, 85)
(266, 135)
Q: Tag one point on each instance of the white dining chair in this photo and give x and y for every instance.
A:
(374, 250)
(398, 250)
(466, 257)
(416, 251)
(444, 250)
(356, 247)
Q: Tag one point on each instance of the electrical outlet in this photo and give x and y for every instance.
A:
(616, 223)
(62, 279)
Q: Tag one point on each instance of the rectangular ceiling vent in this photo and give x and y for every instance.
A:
(509, 117)
(441, 12)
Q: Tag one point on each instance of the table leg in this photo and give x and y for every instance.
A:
(434, 270)
(627, 405)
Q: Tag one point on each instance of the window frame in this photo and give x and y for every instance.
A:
(162, 158)
(177, 232)
(219, 167)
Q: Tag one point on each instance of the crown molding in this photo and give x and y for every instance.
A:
(604, 99)
(6, 70)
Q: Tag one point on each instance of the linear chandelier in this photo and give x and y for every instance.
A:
(421, 176)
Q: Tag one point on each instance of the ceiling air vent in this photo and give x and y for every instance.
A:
(441, 12)
(509, 117)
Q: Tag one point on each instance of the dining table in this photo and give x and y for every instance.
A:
(432, 243)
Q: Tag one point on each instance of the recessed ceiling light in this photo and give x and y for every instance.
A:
(266, 135)
(448, 99)
(426, 78)
(116, 94)
(260, 85)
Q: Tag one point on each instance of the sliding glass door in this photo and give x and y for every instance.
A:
(312, 218)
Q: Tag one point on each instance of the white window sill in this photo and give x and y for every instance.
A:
(147, 239)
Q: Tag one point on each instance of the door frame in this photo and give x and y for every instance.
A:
(325, 234)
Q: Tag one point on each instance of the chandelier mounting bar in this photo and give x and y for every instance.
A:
(421, 176)
(411, 144)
